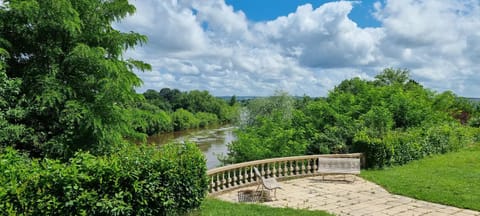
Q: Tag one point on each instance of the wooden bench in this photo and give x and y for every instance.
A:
(335, 166)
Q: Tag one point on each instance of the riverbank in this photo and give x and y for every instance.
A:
(212, 141)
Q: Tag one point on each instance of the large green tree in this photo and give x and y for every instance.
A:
(75, 82)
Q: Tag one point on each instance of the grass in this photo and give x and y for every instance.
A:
(216, 207)
(451, 179)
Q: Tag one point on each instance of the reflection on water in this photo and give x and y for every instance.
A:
(212, 141)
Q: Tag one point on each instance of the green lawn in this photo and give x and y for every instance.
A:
(451, 179)
(216, 207)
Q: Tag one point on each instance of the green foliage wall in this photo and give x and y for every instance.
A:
(391, 119)
(133, 181)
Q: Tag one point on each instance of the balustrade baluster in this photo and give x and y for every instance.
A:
(280, 170)
(268, 172)
(309, 168)
(245, 175)
(234, 179)
(241, 174)
(304, 168)
(250, 175)
(228, 179)
(211, 185)
(262, 170)
(274, 169)
(224, 181)
(297, 168)
(289, 168)
(292, 171)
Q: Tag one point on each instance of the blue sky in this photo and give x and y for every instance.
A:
(247, 47)
(264, 10)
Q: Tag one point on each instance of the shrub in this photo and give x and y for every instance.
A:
(206, 119)
(400, 147)
(149, 119)
(267, 139)
(406, 145)
(133, 181)
(183, 119)
(377, 153)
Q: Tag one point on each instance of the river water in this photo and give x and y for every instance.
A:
(212, 141)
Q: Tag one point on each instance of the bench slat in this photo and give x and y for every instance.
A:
(339, 165)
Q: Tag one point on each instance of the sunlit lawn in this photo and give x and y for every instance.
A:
(216, 207)
(451, 179)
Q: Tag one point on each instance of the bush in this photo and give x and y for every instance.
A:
(133, 181)
(206, 119)
(449, 137)
(406, 145)
(400, 147)
(183, 119)
(377, 153)
(267, 140)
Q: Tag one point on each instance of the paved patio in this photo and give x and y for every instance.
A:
(360, 197)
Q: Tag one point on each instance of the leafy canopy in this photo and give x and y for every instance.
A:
(392, 119)
(74, 84)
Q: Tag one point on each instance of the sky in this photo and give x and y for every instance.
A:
(255, 48)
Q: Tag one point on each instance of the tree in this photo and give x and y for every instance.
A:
(12, 133)
(233, 100)
(173, 96)
(278, 107)
(390, 76)
(74, 77)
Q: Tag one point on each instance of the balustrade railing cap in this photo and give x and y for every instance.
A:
(280, 159)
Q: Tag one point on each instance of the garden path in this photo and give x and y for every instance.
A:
(339, 197)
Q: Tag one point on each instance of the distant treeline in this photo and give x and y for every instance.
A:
(172, 110)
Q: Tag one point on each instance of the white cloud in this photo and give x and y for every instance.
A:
(208, 45)
(324, 37)
(170, 26)
(437, 40)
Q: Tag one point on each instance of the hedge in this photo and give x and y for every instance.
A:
(400, 147)
(134, 181)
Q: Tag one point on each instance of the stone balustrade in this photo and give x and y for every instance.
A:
(233, 176)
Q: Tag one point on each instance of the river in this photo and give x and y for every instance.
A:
(212, 141)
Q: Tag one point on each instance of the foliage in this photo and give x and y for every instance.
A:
(206, 119)
(450, 179)
(12, 108)
(133, 181)
(233, 101)
(183, 119)
(73, 77)
(279, 106)
(270, 127)
(213, 207)
(391, 76)
(207, 109)
(149, 119)
(269, 139)
(392, 119)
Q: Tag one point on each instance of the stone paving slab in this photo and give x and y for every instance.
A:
(359, 197)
